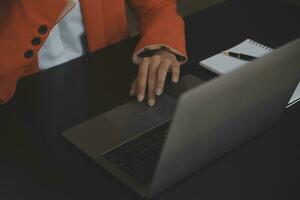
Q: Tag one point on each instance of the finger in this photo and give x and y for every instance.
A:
(175, 67)
(141, 81)
(153, 66)
(133, 88)
(161, 76)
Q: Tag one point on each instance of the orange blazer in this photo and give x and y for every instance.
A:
(25, 25)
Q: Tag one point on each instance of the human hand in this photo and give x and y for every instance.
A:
(152, 74)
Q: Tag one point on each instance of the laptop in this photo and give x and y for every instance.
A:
(150, 149)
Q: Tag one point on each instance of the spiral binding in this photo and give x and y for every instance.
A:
(260, 45)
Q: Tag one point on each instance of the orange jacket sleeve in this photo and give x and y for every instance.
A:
(160, 26)
(26, 25)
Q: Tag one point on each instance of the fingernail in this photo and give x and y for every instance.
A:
(151, 102)
(140, 98)
(159, 91)
(175, 80)
(131, 92)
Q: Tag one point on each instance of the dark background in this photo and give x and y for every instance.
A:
(37, 163)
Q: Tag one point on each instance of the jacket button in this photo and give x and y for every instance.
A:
(43, 29)
(36, 41)
(28, 54)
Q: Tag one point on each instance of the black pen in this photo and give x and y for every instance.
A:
(239, 55)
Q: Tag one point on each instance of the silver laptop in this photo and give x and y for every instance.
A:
(150, 149)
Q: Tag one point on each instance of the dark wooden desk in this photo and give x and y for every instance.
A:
(37, 163)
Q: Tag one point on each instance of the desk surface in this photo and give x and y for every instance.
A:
(37, 163)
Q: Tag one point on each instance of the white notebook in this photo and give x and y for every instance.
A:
(223, 64)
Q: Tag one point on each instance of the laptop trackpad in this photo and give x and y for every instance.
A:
(133, 117)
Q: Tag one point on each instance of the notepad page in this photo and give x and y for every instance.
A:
(223, 64)
(296, 96)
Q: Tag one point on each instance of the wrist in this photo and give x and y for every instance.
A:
(162, 49)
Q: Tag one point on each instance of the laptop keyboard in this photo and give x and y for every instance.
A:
(138, 157)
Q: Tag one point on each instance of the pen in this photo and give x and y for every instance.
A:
(239, 55)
